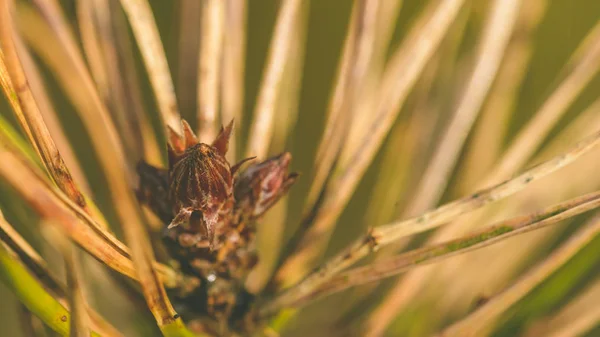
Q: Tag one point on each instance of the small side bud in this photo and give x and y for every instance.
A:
(261, 185)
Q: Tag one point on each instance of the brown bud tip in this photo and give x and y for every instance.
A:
(174, 139)
(239, 164)
(221, 143)
(188, 135)
(182, 216)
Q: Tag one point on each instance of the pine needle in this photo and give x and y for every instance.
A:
(209, 70)
(29, 114)
(495, 38)
(261, 128)
(405, 67)
(488, 236)
(148, 39)
(478, 321)
(390, 233)
(233, 70)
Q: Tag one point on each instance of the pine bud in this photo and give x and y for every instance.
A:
(200, 180)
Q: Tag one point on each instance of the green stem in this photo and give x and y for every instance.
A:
(281, 320)
(178, 329)
(17, 141)
(32, 294)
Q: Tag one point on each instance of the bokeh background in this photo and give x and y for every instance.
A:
(383, 193)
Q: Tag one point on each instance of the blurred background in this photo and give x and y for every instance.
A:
(540, 55)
